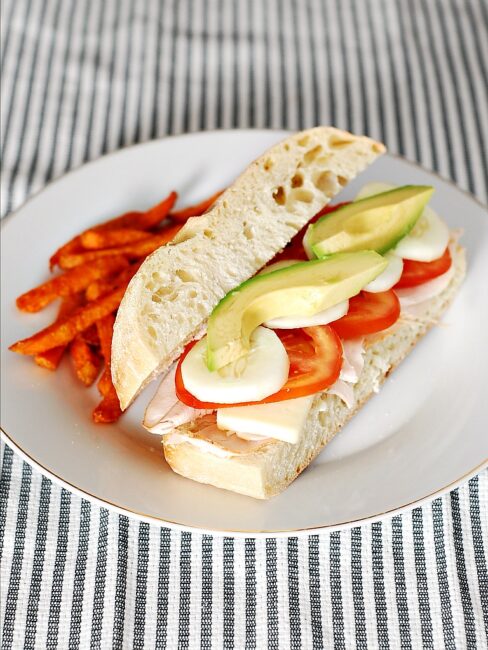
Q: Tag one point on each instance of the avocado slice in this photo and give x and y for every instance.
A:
(374, 223)
(304, 288)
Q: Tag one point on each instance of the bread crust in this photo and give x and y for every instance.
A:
(175, 290)
(265, 472)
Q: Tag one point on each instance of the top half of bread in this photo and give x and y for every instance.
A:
(176, 288)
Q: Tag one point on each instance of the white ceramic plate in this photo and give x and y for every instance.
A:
(424, 432)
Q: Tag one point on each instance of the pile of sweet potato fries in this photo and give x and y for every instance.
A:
(97, 266)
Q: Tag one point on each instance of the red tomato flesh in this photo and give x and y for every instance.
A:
(368, 313)
(315, 355)
(415, 273)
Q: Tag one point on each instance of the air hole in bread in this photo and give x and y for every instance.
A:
(303, 142)
(184, 276)
(326, 182)
(342, 181)
(268, 164)
(323, 160)
(292, 224)
(312, 154)
(209, 234)
(304, 196)
(152, 332)
(279, 195)
(156, 298)
(337, 142)
(164, 291)
(248, 231)
(286, 147)
(297, 180)
(180, 238)
(377, 148)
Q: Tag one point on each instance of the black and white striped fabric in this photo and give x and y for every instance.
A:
(84, 77)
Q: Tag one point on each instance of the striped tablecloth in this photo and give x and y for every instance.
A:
(84, 77)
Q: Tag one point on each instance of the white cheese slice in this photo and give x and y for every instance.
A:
(279, 420)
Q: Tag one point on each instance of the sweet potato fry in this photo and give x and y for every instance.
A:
(75, 245)
(63, 332)
(134, 219)
(86, 363)
(110, 403)
(71, 247)
(131, 251)
(105, 328)
(153, 217)
(94, 240)
(51, 358)
(195, 210)
(90, 335)
(109, 408)
(108, 411)
(105, 386)
(142, 220)
(91, 260)
(129, 219)
(70, 283)
(101, 287)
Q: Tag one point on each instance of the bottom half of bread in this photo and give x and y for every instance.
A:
(265, 471)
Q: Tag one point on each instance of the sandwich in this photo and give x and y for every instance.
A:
(274, 317)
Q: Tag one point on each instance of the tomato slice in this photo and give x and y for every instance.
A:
(315, 355)
(415, 273)
(368, 313)
(294, 250)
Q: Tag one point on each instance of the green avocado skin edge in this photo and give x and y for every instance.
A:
(375, 223)
(302, 288)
